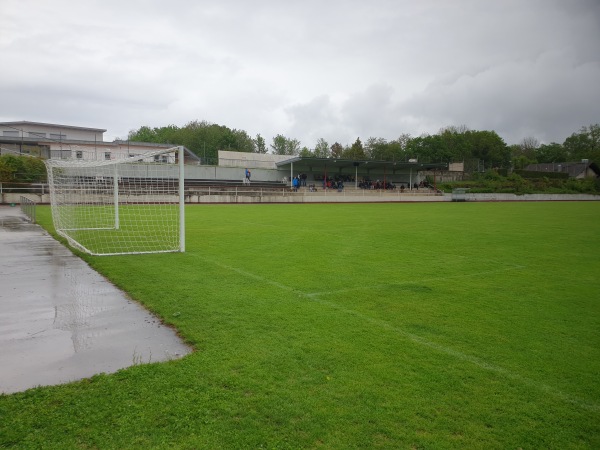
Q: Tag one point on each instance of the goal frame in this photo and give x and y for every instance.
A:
(53, 164)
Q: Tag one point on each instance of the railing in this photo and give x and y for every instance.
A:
(32, 188)
(28, 208)
(304, 191)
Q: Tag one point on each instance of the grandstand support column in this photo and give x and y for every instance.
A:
(291, 174)
(411, 183)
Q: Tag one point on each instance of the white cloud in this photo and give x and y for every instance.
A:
(337, 70)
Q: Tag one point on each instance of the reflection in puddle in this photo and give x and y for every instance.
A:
(60, 320)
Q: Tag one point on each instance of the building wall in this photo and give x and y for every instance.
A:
(250, 160)
(102, 151)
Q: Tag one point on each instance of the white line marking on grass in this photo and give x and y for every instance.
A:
(590, 406)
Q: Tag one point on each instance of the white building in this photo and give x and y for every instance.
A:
(48, 140)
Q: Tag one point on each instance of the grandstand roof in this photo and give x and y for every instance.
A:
(308, 163)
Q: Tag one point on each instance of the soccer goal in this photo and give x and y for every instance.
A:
(122, 206)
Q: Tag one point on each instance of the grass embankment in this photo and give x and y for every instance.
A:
(492, 182)
(352, 326)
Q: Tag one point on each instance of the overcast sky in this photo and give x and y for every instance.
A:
(307, 69)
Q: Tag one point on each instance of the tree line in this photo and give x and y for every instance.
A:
(451, 144)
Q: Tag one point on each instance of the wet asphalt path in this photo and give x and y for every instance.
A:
(60, 320)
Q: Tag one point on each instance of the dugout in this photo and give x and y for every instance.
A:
(396, 172)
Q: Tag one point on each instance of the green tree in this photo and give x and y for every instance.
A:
(551, 153)
(10, 166)
(521, 161)
(243, 142)
(322, 149)
(490, 148)
(306, 152)
(585, 144)
(203, 138)
(456, 143)
(21, 169)
(260, 145)
(284, 146)
(337, 150)
(356, 151)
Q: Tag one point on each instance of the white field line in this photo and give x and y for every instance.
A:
(590, 406)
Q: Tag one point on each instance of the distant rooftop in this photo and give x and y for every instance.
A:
(42, 124)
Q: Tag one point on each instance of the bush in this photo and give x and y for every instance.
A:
(21, 169)
(516, 184)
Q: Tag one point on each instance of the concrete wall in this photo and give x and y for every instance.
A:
(529, 197)
(250, 160)
(232, 173)
(331, 196)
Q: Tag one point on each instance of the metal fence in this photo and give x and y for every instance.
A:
(28, 208)
(33, 188)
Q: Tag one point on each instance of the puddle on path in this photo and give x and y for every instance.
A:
(60, 320)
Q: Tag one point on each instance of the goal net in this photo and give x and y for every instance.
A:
(123, 206)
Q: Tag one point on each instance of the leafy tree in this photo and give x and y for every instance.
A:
(355, 151)
(243, 142)
(519, 160)
(10, 166)
(21, 169)
(337, 150)
(491, 148)
(260, 145)
(528, 147)
(144, 134)
(551, 153)
(203, 138)
(322, 149)
(429, 148)
(284, 146)
(34, 170)
(585, 144)
(376, 149)
(306, 152)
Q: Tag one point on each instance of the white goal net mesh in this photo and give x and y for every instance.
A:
(115, 207)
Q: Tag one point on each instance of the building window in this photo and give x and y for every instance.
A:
(107, 155)
(79, 154)
(10, 133)
(58, 136)
(35, 134)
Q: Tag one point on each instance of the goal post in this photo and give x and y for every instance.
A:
(122, 206)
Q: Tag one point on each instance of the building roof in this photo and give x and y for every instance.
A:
(308, 163)
(574, 169)
(69, 127)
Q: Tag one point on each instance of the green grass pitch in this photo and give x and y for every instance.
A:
(450, 325)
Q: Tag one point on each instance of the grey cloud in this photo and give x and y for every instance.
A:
(338, 70)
